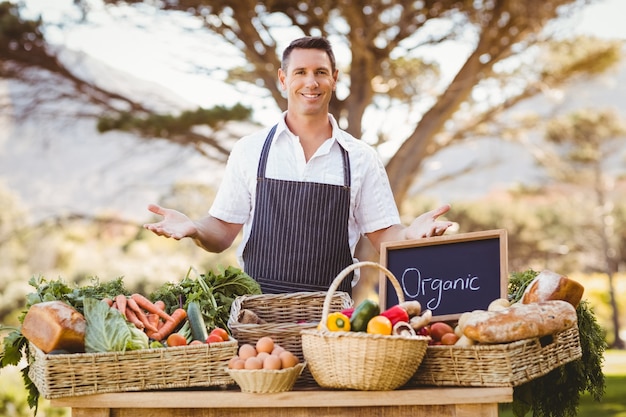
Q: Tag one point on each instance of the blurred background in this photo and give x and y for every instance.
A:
(513, 112)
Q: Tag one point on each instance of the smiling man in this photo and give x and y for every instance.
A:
(304, 191)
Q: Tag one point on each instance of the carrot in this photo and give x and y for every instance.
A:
(121, 302)
(154, 320)
(141, 315)
(108, 301)
(160, 304)
(178, 316)
(132, 317)
(147, 305)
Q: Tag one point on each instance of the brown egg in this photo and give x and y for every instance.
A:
(253, 363)
(288, 359)
(247, 351)
(236, 363)
(265, 344)
(262, 355)
(272, 362)
(277, 350)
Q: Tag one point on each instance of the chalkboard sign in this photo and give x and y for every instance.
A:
(448, 275)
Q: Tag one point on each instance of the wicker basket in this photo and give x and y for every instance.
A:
(266, 381)
(359, 360)
(286, 315)
(75, 374)
(506, 365)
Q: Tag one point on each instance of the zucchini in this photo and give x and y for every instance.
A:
(196, 322)
(362, 315)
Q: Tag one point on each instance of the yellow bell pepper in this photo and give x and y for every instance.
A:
(338, 322)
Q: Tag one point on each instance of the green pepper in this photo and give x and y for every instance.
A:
(338, 321)
(362, 315)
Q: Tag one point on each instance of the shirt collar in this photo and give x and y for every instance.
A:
(335, 136)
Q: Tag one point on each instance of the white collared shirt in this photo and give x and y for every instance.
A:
(372, 206)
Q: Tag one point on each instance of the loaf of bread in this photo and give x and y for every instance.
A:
(520, 321)
(55, 325)
(549, 285)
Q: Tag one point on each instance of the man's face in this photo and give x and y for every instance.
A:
(308, 81)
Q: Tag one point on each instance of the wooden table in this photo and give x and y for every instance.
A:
(415, 402)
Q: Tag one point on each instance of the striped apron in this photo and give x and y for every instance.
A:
(299, 235)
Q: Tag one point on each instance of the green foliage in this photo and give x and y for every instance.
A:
(15, 29)
(557, 394)
(158, 125)
(73, 295)
(213, 291)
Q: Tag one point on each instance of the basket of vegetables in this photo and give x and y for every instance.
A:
(364, 354)
(102, 338)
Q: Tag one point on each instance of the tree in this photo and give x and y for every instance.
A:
(376, 32)
(585, 140)
(26, 57)
(385, 68)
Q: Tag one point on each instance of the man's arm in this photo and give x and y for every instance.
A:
(209, 233)
(425, 225)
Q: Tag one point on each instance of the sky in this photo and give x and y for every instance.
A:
(153, 46)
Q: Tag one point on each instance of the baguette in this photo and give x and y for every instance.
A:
(520, 321)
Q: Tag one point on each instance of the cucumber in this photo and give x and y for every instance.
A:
(362, 315)
(196, 322)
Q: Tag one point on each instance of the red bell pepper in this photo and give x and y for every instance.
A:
(396, 314)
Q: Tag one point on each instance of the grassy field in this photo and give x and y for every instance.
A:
(613, 403)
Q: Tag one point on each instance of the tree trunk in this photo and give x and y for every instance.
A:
(402, 167)
(610, 265)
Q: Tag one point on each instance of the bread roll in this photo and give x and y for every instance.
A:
(549, 285)
(520, 321)
(55, 325)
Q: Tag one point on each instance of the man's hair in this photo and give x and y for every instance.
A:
(309, 42)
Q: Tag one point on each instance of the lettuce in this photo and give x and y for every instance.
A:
(108, 331)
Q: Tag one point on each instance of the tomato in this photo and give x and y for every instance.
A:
(176, 339)
(379, 325)
(213, 338)
(223, 334)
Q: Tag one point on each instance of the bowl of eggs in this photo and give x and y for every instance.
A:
(264, 367)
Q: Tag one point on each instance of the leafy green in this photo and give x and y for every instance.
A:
(557, 394)
(13, 345)
(138, 339)
(58, 289)
(214, 292)
(108, 331)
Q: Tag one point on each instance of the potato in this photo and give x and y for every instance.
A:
(438, 329)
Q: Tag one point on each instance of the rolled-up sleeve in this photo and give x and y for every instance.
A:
(233, 201)
(375, 207)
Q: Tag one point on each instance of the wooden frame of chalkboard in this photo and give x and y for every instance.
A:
(448, 275)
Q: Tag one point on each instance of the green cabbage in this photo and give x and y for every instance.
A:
(108, 331)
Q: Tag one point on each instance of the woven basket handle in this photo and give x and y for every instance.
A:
(346, 272)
